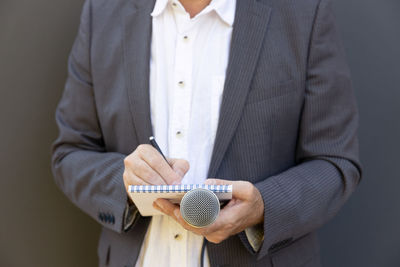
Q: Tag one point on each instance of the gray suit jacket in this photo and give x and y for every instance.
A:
(288, 124)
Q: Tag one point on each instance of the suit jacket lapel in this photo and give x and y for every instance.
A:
(137, 25)
(249, 28)
(251, 20)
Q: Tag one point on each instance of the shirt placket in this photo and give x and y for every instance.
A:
(179, 122)
(178, 244)
(182, 87)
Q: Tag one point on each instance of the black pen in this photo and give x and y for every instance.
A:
(155, 145)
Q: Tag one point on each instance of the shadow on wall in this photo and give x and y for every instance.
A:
(366, 232)
(38, 226)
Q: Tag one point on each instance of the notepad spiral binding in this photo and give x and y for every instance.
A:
(183, 188)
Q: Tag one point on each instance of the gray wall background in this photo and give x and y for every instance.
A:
(40, 227)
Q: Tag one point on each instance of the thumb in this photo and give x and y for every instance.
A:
(213, 181)
(240, 189)
(180, 166)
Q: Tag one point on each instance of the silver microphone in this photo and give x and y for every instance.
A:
(200, 207)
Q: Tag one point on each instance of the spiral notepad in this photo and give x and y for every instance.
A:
(144, 195)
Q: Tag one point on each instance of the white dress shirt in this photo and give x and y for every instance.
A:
(189, 58)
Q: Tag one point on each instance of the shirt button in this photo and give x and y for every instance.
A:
(185, 37)
(181, 83)
(178, 133)
(178, 237)
(174, 4)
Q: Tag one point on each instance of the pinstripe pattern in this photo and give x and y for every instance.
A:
(288, 123)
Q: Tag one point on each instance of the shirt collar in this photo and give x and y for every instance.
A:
(159, 7)
(224, 8)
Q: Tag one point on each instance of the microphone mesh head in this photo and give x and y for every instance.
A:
(199, 207)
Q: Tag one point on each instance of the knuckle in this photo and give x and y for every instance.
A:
(249, 189)
(213, 240)
(126, 184)
(217, 241)
(229, 224)
(139, 168)
(254, 192)
(125, 176)
(150, 177)
(138, 181)
(130, 161)
(185, 164)
(145, 173)
(128, 179)
(141, 148)
(127, 161)
(155, 161)
(140, 165)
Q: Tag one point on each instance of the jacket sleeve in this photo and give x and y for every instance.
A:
(303, 198)
(90, 176)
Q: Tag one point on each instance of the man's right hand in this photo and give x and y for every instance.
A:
(146, 166)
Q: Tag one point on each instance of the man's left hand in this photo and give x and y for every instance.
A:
(245, 209)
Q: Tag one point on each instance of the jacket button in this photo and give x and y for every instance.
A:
(101, 216)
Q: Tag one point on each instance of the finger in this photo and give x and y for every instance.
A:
(234, 218)
(216, 238)
(240, 189)
(135, 168)
(147, 174)
(131, 179)
(228, 220)
(173, 211)
(230, 203)
(137, 181)
(244, 190)
(156, 161)
(180, 166)
(184, 224)
(222, 222)
(212, 181)
(166, 207)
